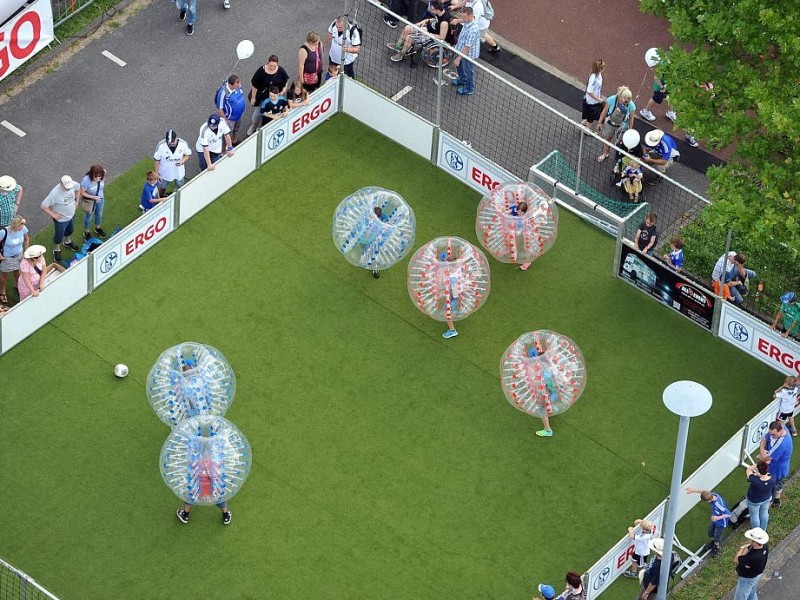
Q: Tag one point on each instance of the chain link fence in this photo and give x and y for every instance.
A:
(65, 9)
(16, 585)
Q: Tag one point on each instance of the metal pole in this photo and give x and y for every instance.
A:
(578, 166)
(672, 508)
(440, 68)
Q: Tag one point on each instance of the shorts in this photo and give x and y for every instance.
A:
(419, 38)
(659, 97)
(781, 416)
(10, 264)
(162, 185)
(484, 33)
(609, 131)
(779, 484)
(591, 112)
(638, 560)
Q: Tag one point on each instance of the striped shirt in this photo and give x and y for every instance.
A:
(470, 36)
(8, 205)
(719, 508)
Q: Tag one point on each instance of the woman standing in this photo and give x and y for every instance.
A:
(93, 200)
(309, 61)
(14, 240)
(593, 97)
(618, 115)
(33, 269)
(759, 494)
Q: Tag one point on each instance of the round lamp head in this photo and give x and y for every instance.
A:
(687, 398)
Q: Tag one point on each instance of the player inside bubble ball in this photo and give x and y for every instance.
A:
(552, 396)
(192, 386)
(451, 292)
(208, 473)
(517, 210)
(372, 231)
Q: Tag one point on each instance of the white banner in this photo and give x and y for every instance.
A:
(759, 425)
(9, 7)
(24, 35)
(757, 339)
(470, 167)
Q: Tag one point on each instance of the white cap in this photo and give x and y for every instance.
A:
(67, 182)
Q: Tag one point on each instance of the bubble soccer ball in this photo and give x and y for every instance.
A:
(543, 373)
(448, 279)
(205, 460)
(190, 379)
(517, 223)
(370, 240)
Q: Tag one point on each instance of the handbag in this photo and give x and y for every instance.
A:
(87, 205)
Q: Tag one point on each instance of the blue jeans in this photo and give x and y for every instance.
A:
(715, 532)
(759, 513)
(738, 299)
(746, 588)
(190, 6)
(97, 211)
(63, 229)
(466, 75)
(201, 159)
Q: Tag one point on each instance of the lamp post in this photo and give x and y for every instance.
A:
(686, 399)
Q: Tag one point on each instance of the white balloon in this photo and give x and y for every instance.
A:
(631, 139)
(651, 57)
(245, 49)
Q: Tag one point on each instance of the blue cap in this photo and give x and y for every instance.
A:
(547, 591)
(788, 297)
(213, 121)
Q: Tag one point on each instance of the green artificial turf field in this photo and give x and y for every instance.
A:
(387, 463)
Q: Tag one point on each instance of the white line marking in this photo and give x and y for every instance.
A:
(13, 129)
(113, 58)
(401, 93)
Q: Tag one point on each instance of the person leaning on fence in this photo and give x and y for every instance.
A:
(209, 142)
(787, 398)
(641, 533)
(169, 160)
(660, 152)
(751, 560)
(720, 516)
(737, 277)
(469, 44)
(436, 26)
(675, 256)
(759, 493)
(575, 588)
(776, 448)
(647, 235)
(788, 314)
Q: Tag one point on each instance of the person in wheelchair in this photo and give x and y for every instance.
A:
(412, 40)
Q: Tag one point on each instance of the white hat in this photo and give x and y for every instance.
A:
(67, 182)
(656, 545)
(7, 183)
(758, 535)
(35, 251)
(653, 138)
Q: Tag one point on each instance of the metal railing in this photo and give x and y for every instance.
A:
(17, 585)
(66, 9)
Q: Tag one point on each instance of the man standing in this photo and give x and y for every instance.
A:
(469, 43)
(60, 205)
(230, 104)
(187, 8)
(344, 42)
(265, 77)
(484, 13)
(750, 561)
(168, 161)
(10, 199)
(776, 449)
(652, 574)
(209, 142)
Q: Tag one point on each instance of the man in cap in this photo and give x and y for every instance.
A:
(790, 313)
(10, 199)
(168, 161)
(230, 104)
(750, 561)
(776, 449)
(547, 591)
(60, 205)
(660, 151)
(209, 142)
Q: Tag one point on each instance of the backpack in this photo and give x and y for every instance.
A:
(616, 114)
(488, 10)
(356, 27)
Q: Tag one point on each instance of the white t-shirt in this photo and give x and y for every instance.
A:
(210, 139)
(349, 37)
(595, 86)
(168, 167)
(478, 10)
(640, 541)
(788, 399)
(62, 202)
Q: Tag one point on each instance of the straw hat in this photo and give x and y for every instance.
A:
(7, 183)
(35, 251)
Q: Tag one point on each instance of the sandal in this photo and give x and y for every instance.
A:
(602, 157)
(3, 298)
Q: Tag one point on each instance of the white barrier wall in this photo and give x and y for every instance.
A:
(463, 163)
(388, 118)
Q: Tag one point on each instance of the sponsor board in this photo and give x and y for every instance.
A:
(25, 34)
(132, 241)
(757, 339)
(462, 162)
(665, 285)
(759, 425)
(9, 7)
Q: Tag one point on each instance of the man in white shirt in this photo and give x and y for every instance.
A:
(479, 12)
(168, 161)
(209, 142)
(60, 205)
(344, 42)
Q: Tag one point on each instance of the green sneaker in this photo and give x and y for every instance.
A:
(545, 433)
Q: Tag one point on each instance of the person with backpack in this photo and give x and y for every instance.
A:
(230, 104)
(617, 116)
(344, 41)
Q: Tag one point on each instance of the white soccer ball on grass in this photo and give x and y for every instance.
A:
(121, 370)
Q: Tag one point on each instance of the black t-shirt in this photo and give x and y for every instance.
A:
(434, 26)
(652, 574)
(645, 235)
(753, 563)
(262, 81)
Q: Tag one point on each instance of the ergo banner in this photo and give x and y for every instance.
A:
(24, 35)
(470, 167)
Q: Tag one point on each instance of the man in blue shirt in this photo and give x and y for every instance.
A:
(469, 43)
(720, 516)
(660, 151)
(230, 104)
(776, 448)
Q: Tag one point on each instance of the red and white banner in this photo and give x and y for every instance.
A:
(25, 34)
(476, 171)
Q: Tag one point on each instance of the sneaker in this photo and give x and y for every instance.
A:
(397, 57)
(396, 46)
(524, 266)
(100, 233)
(776, 503)
(545, 433)
(455, 82)
(670, 114)
(619, 183)
(226, 3)
(450, 333)
(141, 208)
(495, 49)
(57, 255)
(183, 516)
(182, 15)
(462, 91)
(690, 139)
(226, 517)
(647, 115)
(72, 246)
(389, 22)
(87, 235)
(376, 274)
(715, 549)
(630, 574)
(189, 29)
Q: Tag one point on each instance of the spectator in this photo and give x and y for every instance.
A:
(14, 240)
(436, 26)
(660, 152)
(10, 199)
(618, 115)
(722, 265)
(650, 577)
(345, 43)
(750, 561)
(93, 200)
(790, 313)
(632, 180)
(641, 546)
(150, 195)
(759, 494)
(230, 104)
(720, 516)
(483, 12)
(647, 235)
(309, 62)
(168, 161)
(776, 449)
(469, 44)
(675, 256)
(787, 397)
(60, 205)
(332, 72)
(737, 278)
(34, 271)
(297, 95)
(274, 107)
(547, 591)
(187, 7)
(659, 96)
(209, 142)
(575, 588)
(593, 98)
(265, 77)
(401, 8)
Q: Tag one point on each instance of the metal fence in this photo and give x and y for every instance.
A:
(16, 585)
(65, 9)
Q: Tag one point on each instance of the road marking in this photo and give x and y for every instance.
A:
(13, 129)
(113, 58)
(401, 93)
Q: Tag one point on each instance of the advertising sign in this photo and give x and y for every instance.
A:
(9, 7)
(759, 425)
(25, 34)
(132, 241)
(756, 338)
(462, 162)
(665, 285)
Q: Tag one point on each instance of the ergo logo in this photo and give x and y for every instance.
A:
(483, 179)
(307, 118)
(140, 239)
(30, 18)
(773, 352)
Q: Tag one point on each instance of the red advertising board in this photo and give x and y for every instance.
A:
(24, 35)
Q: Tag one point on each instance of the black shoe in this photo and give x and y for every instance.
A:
(226, 517)
(72, 246)
(390, 23)
(183, 516)
(494, 49)
(57, 255)
(189, 29)
(100, 233)
(182, 15)
(714, 551)
(87, 235)
(376, 274)
(776, 503)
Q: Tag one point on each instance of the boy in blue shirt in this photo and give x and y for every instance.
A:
(274, 107)
(675, 256)
(150, 194)
(720, 516)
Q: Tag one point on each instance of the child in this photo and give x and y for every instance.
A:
(787, 394)
(517, 210)
(150, 194)
(632, 179)
(274, 107)
(297, 94)
(675, 256)
(333, 72)
(720, 516)
(641, 548)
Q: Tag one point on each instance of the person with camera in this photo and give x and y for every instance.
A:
(750, 561)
